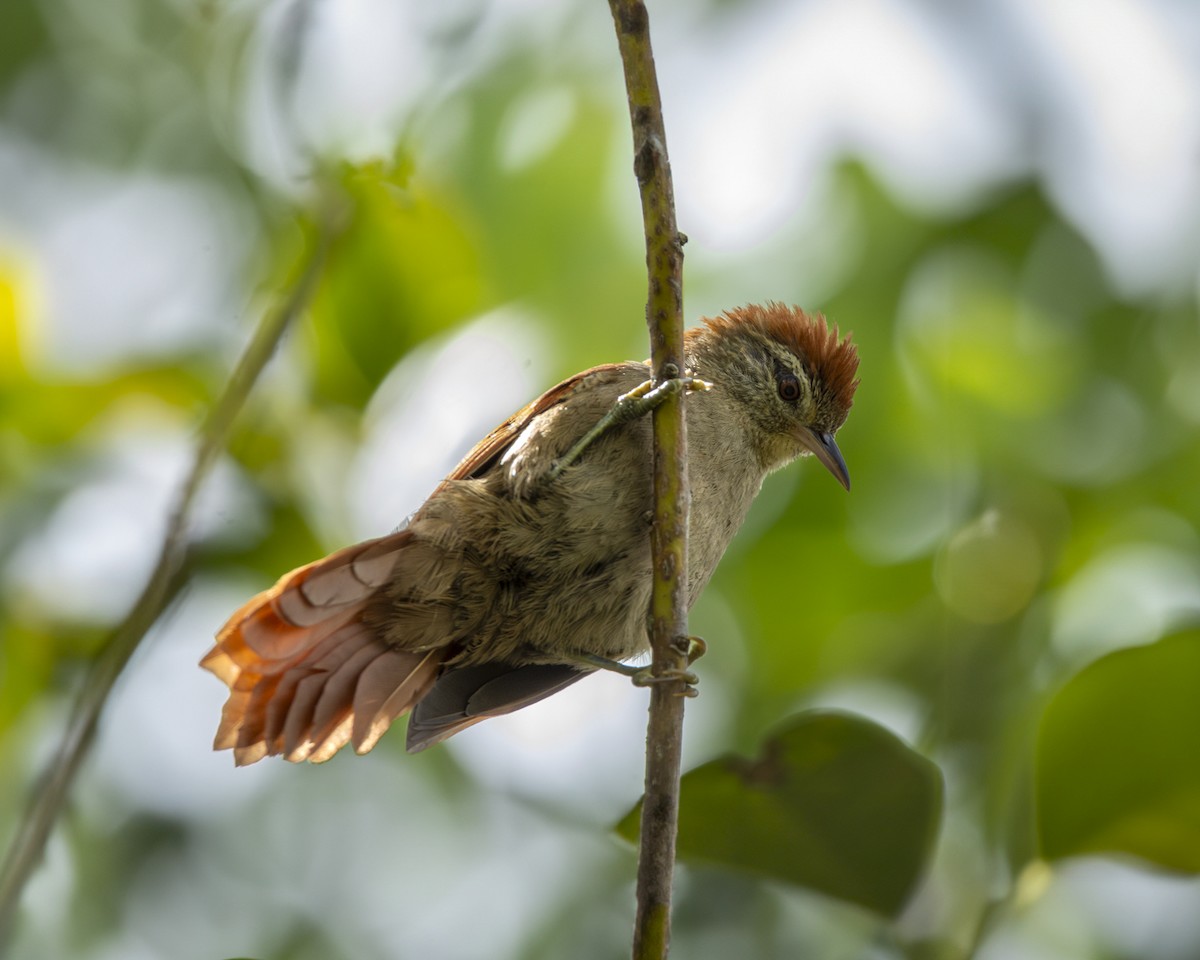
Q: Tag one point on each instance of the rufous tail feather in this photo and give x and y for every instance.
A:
(306, 674)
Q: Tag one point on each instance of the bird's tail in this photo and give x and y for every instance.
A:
(306, 673)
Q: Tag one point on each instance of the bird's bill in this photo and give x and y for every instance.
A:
(824, 448)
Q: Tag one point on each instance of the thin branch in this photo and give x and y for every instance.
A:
(668, 607)
(50, 793)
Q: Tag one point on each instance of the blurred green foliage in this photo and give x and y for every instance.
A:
(405, 254)
(1020, 539)
(835, 803)
(1116, 761)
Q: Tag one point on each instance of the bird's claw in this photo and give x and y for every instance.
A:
(629, 406)
(691, 647)
(646, 396)
(646, 678)
(696, 648)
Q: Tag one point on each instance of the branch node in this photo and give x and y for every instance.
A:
(633, 19)
(649, 159)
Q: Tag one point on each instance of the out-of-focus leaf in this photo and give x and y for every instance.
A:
(22, 40)
(1117, 760)
(403, 269)
(27, 659)
(54, 412)
(988, 571)
(552, 225)
(836, 803)
(966, 334)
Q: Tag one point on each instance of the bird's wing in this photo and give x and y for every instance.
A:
(491, 448)
(464, 696)
(307, 674)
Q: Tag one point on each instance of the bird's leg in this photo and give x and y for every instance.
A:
(629, 406)
(643, 677)
(696, 648)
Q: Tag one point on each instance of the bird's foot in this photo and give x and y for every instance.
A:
(629, 406)
(646, 677)
(646, 396)
(696, 648)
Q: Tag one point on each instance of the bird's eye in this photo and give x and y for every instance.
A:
(789, 389)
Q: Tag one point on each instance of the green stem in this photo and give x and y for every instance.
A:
(668, 606)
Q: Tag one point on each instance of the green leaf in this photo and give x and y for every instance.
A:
(52, 412)
(836, 804)
(27, 661)
(404, 269)
(23, 40)
(1117, 764)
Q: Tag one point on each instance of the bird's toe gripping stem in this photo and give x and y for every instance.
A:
(629, 406)
(645, 676)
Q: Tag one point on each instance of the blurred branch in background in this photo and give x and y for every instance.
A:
(50, 793)
(668, 540)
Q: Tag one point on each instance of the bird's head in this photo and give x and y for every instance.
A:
(792, 377)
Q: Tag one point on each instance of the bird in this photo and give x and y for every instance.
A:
(528, 568)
